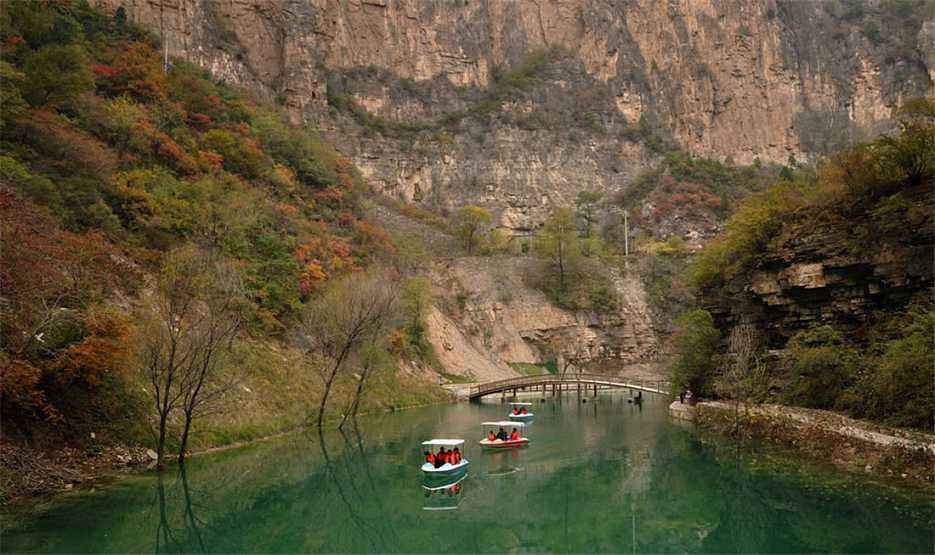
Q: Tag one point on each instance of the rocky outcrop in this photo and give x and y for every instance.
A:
(733, 79)
(823, 274)
(488, 309)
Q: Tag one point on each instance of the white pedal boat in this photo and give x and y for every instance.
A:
(519, 407)
(446, 469)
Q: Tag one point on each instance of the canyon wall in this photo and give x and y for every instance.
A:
(833, 272)
(518, 105)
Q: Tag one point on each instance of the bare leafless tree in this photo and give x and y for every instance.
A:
(568, 353)
(366, 362)
(221, 314)
(351, 313)
(185, 319)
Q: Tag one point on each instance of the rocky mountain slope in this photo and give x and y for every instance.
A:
(519, 105)
(486, 316)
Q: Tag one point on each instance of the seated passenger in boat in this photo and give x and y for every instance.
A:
(455, 456)
(516, 410)
(523, 411)
(502, 435)
(491, 436)
(430, 458)
(514, 436)
(441, 458)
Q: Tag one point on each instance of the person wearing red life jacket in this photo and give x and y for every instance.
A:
(523, 411)
(515, 410)
(430, 458)
(441, 458)
(491, 436)
(455, 456)
(514, 435)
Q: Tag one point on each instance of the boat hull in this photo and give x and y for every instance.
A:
(509, 444)
(445, 471)
(522, 417)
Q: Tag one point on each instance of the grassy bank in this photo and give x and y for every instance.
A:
(276, 396)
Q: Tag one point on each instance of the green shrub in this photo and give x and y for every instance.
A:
(822, 368)
(56, 74)
(695, 344)
(896, 382)
(746, 234)
(871, 30)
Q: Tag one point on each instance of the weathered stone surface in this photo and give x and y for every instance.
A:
(492, 318)
(728, 79)
(822, 275)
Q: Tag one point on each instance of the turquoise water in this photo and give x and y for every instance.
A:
(604, 476)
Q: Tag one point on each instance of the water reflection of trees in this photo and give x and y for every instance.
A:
(728, 497)
(351, 475)
(182, 534)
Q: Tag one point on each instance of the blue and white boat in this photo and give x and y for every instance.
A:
(519, 411)
(447, 469)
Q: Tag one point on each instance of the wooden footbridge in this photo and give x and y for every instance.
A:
(567, 382)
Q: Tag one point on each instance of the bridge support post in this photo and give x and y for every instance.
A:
(595, 390)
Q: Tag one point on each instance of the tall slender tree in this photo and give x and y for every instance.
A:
(351, 313)
(558, 242)
(194, 307)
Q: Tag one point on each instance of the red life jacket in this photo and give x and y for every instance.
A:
(524, 410)
(514, 436)
(430, 458)
(515, 411)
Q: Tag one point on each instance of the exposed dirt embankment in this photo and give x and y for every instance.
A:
(488, 316)
(851, 444)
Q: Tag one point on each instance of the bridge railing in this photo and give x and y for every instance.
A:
(568, 378)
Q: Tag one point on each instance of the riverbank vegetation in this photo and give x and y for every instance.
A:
(120, 178)
(877, 368)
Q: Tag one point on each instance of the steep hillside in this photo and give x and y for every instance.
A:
(818, 293)
(113, 173)
(519, 105)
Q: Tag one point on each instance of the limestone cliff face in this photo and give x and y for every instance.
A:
(824, 275)
(728, 78)
(488, 309)
(486, 316)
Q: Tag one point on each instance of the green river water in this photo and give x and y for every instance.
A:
(604, 476)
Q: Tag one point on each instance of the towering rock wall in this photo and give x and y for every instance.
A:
(434, 123)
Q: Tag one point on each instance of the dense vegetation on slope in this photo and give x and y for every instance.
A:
(873, 197)
(108, 162)
(675, 208)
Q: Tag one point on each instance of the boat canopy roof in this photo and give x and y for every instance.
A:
(521, 404)
(443, 442)
(505, 424)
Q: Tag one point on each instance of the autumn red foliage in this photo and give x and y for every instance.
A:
(50, 278)
(137, 70)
